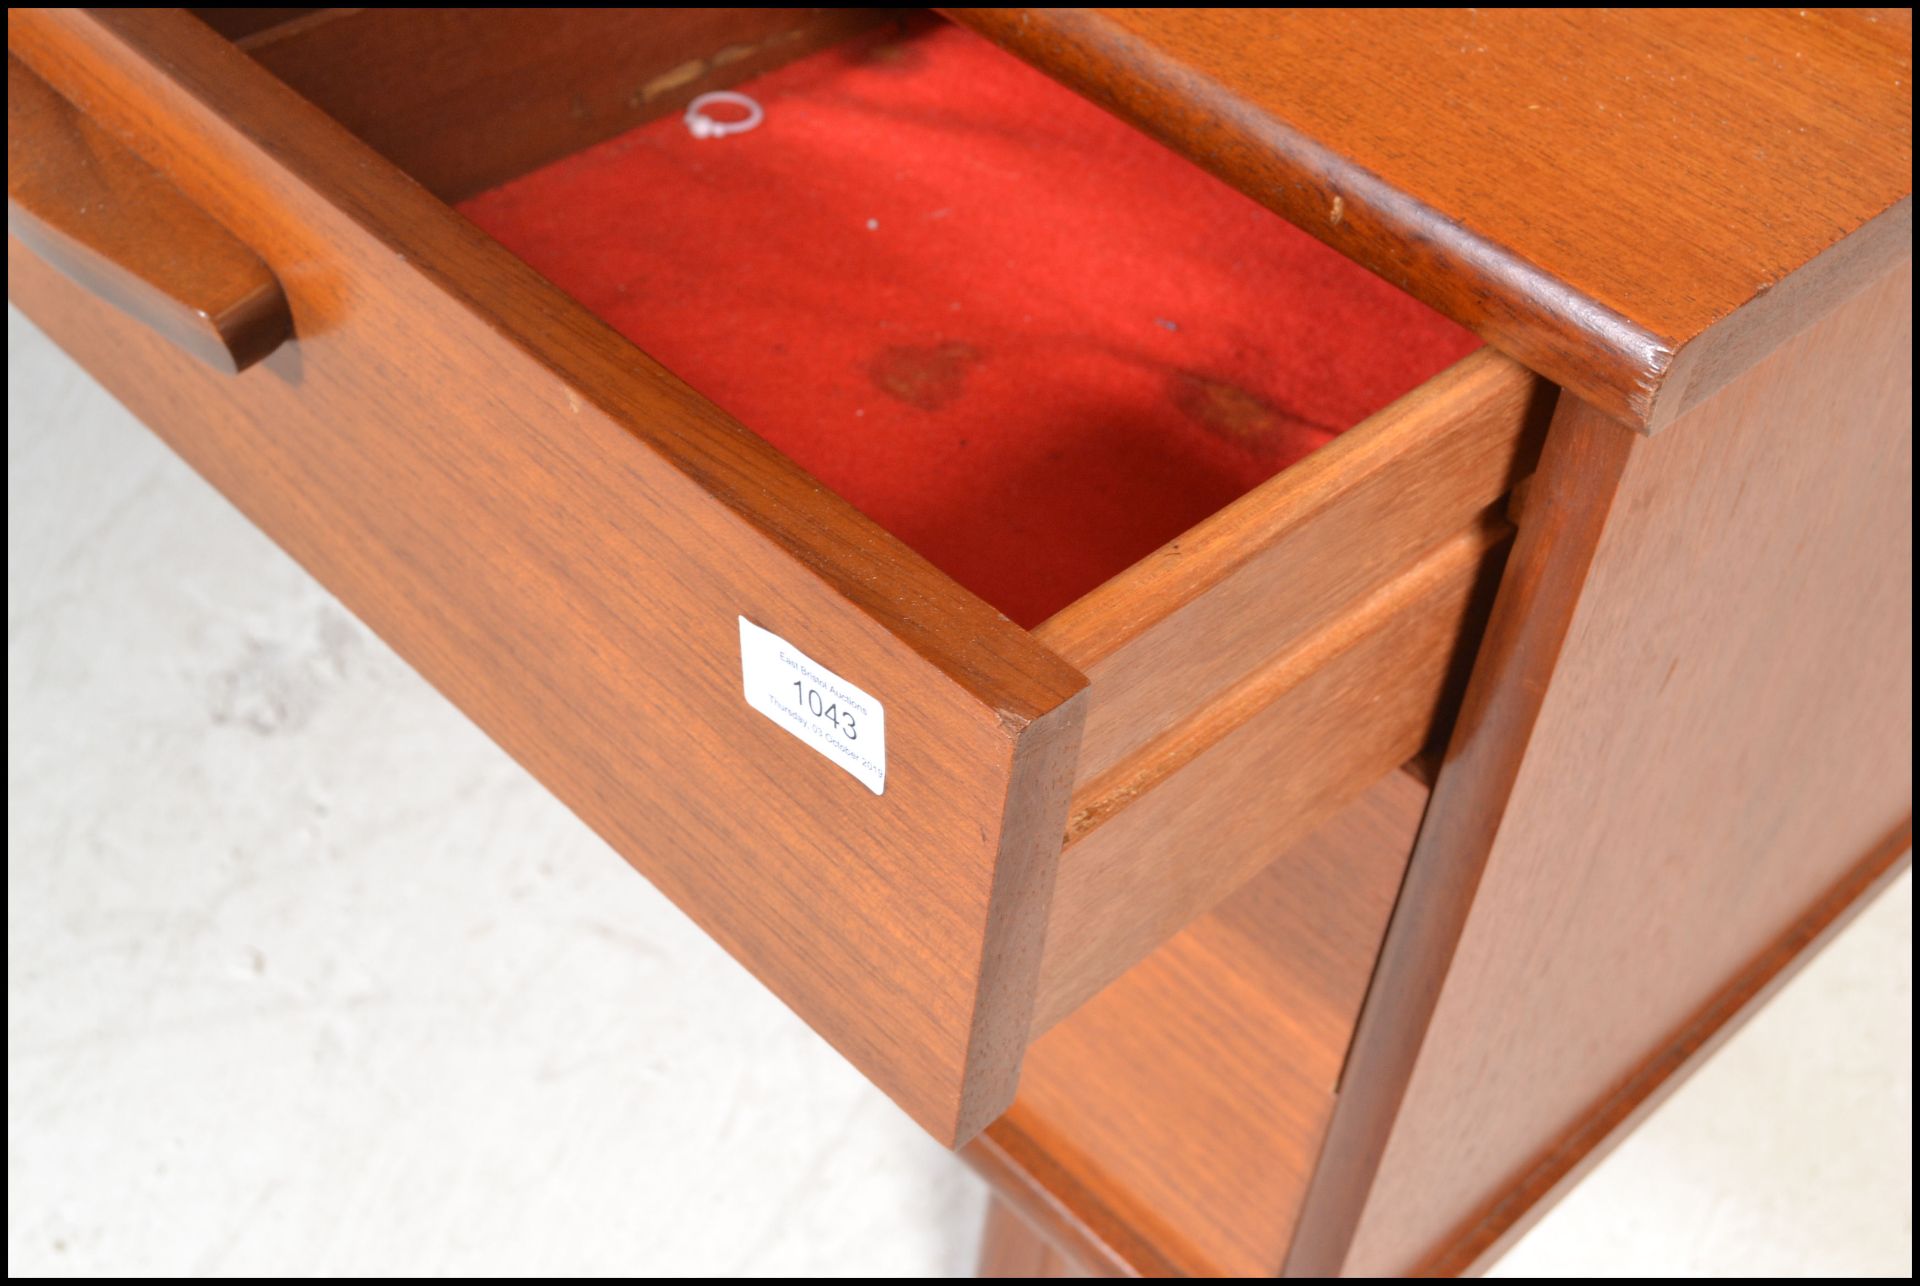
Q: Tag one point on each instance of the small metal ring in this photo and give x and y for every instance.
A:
(700, 125)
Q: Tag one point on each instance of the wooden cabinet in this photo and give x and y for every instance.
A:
(1179, 625)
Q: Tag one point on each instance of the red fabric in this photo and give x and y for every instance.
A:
(1026, 339)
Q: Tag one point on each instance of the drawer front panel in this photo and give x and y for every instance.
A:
(562, 537)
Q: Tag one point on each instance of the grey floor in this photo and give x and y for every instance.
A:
(305, 976)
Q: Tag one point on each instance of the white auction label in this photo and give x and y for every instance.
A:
(816, 705)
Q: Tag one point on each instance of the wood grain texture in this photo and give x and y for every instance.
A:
(1170, 1125)
(1725, 737)
(1597, 192)
(1181, 628)
(1566, 503)
(1221, 793)
(114, 226)
(1577, 1152)
(1009, 1248)
(1049, 1194)
(238, 22)
(559, 535)
(464, 99)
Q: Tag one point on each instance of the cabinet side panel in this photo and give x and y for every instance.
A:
(1726, 739)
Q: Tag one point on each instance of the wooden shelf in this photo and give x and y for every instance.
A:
(1170, 1125)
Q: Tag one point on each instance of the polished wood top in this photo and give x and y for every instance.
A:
(1621, 199)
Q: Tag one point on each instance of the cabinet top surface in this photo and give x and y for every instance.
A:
(1593, 190)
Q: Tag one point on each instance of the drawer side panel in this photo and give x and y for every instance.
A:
(561, 537)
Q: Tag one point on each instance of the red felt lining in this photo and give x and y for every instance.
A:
(1023, 337)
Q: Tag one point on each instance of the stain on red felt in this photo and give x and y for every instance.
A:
(1023, 337)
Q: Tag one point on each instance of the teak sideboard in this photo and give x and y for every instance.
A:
(1345, 577)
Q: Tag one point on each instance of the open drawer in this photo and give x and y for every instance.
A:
(1159, 624)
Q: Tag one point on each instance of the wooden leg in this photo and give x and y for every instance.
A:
(1009, 1248)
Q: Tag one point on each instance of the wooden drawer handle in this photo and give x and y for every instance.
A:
(118, 228)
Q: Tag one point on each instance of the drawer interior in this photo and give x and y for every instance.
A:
(1027, 340)
(1014, 331)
